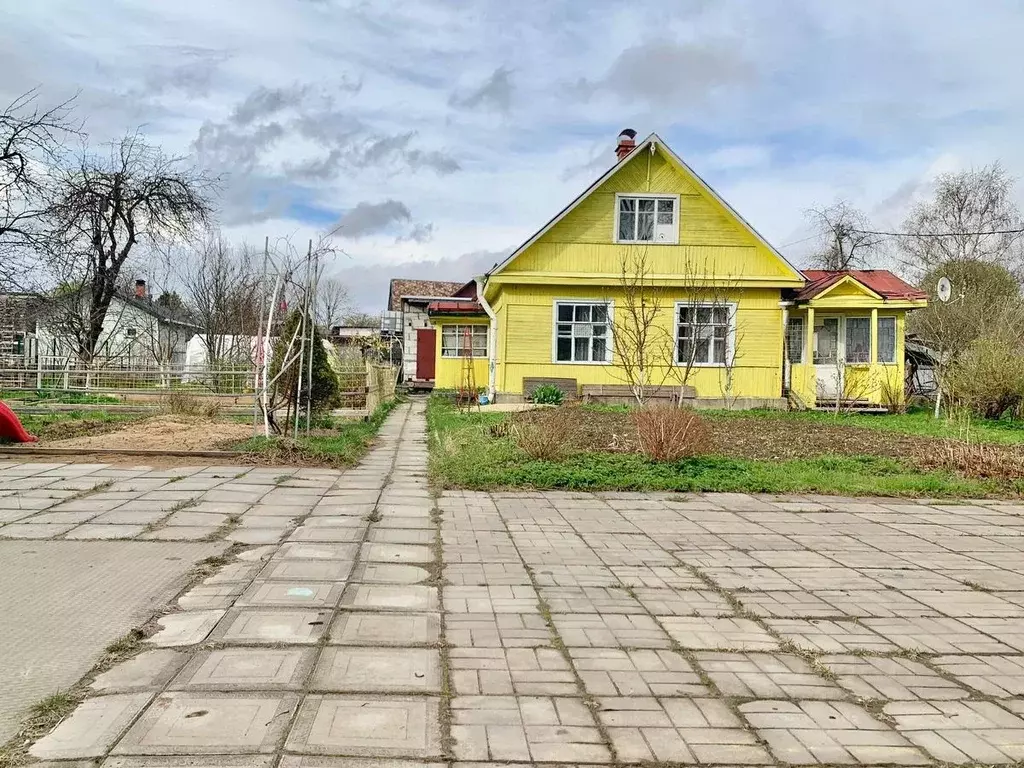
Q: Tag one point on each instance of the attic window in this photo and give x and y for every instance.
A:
(647, 219)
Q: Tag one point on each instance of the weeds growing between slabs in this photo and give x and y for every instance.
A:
(340, 445)
(751, 453)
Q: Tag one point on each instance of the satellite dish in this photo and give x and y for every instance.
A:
(944, 289)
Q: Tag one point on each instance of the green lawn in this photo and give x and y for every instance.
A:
(346, 446)
(45, 396)
(918, 421)
(465, 454)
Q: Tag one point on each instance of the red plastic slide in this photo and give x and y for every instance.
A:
(11, 428)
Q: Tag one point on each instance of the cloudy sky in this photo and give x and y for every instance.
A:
(441, 133)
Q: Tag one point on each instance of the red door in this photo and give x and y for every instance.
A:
(426, 340)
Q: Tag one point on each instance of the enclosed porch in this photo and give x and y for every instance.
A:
(845, 342)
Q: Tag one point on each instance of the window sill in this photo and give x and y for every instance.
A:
(581, 362)
(646, 242)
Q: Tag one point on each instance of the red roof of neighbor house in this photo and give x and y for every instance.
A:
(881, 281)
(454, 307)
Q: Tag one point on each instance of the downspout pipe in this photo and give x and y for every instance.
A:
(492, 339)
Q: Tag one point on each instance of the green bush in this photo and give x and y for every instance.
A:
(988, 379)
(325, 382)
(548, 394)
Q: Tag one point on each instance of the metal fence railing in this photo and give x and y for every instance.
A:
(362, 384)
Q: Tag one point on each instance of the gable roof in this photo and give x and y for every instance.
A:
(652, 140)
(432, 289)
(880, 281)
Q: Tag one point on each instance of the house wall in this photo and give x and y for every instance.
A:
(451, 372)
(526, 344)
(711, 240)
(414, 316)
(872, 381)
(153, 340)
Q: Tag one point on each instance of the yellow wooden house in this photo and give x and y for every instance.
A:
(726, 319)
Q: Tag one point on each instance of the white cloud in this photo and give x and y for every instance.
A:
(485, 118)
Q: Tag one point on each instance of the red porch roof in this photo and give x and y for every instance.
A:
(881, 281)
(453, 307)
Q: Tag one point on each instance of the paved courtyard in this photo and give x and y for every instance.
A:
(371, 620)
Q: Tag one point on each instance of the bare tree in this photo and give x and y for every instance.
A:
(222, 291)
(704, 325)
(30, 140)
(843, 242)
(640, 341)
(103, 209)
(332, 302)
(951, 227)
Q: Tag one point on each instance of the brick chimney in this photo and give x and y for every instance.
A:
(140, 289)
(627, 141)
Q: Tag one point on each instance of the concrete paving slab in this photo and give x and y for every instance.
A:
(180, 723)
(246, 669)
(92, 728)
(150, 670)
(401, 629)
(187, 628)
(383, 726)
(378, 670)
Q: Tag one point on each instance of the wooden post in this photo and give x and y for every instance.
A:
(809, 353)
(874, 336)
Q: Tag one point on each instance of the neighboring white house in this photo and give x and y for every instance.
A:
(137, 333)
(231, 352)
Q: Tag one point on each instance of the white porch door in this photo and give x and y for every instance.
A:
(828, 357)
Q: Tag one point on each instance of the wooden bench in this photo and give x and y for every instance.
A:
(568, 386)
(622, 394)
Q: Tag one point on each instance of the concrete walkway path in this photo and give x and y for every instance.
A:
(580, 629)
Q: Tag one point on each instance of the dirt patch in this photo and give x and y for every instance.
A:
(164, 433)
(766, 439)
(66, 429)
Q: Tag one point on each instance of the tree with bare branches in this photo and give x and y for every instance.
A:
(222, 288)
(31, 138)
(103, 209)
(952, 228)
(641, 345)
(332, 302)
(844, 243)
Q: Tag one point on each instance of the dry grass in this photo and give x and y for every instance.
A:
(969, 459)
(184, 404)
(548, 440)
(668, 433)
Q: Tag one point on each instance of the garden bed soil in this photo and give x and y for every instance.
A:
(178, 433)
(752, 437)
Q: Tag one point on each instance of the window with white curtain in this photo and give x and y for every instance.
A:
(582, 332)
(887, 339)
(858, 339)
(642, 219)
(702, 333)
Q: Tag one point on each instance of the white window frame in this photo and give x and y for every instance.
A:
(730, 336)
(608, 333)
(459, 328)
(619, 196)
(895, 340)
(803, 339)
